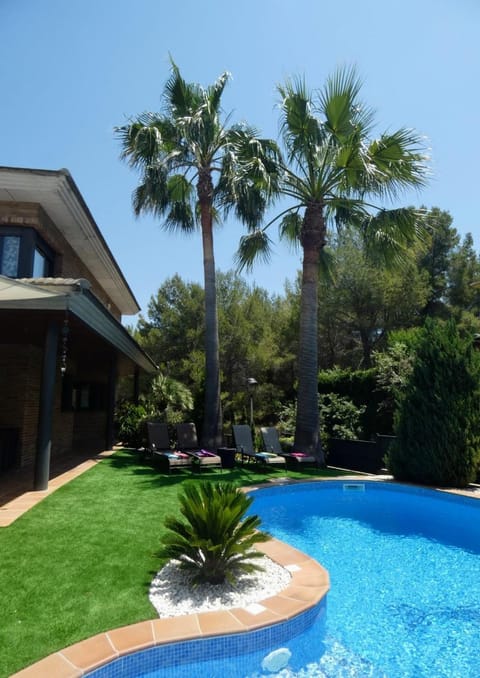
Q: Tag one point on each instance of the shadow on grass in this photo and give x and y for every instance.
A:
(156, 474)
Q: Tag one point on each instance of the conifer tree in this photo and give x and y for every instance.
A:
(438, 422)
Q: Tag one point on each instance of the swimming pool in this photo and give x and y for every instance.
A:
(404, 602)
(404, 567)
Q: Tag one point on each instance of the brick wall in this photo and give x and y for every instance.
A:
(89, 432)
(20, 382)
(20, 370)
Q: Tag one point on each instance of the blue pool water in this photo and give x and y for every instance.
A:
(404, 602)
(404, 568)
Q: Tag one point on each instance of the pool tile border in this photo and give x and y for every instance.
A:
(309, 584)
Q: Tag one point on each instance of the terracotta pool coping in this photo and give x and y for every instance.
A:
(308, 585)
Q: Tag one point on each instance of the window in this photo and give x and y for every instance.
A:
(10, 255)
(24, 254)
(41, 265)
(83, 396)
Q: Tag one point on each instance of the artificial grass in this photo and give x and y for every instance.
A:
(82, 560)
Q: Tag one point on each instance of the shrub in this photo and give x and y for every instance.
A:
(215, 540)
(169, 400)
(359, 387)
(438, 422)
(339, 418)
(393, 368)
(130, 420)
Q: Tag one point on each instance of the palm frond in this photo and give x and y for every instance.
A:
(215, 91)
(257, 157)
(147, 140)
(253, 247)
(343, 212)
(390, 234)
(180, 217)
(180, 97)
(300, 129)
(249, 175)
(290, 228)
(179, 188)
(151, 195)
(326, 266)
(344, 113)
(139, 142)
(398, 160)
(250, 204)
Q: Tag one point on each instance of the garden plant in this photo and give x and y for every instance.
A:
(438, 423)
(216, 539)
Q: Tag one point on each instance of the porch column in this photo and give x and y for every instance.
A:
(111, 397)
(47, 393)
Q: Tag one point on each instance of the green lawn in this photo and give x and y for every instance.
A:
(81, 561)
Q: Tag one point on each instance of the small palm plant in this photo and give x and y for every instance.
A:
(215, 541)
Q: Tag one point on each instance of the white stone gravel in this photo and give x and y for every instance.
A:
(172, 595)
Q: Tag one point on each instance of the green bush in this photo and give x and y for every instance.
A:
(215, 540)
(339, 418)
(438, 421)
(360, 387)
(130, 422)
(393, 369)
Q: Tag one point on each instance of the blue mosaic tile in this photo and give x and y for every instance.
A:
(209, 649)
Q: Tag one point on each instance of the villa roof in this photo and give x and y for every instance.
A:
(57, 193)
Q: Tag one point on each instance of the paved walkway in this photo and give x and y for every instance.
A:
(17, 496)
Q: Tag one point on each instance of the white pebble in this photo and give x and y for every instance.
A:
(171, 592)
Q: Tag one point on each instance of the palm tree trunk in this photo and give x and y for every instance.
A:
(307, 438)
(212, 422)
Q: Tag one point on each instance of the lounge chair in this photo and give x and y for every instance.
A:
(187, 442)
(242, 435)
(271, 443)
(160, 450)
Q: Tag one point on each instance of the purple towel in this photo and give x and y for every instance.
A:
(205, 453)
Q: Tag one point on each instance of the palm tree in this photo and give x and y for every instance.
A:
(179, 154)
(332, 172)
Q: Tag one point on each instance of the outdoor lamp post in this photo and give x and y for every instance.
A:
(252, 384)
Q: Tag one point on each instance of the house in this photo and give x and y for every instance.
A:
(62, 344)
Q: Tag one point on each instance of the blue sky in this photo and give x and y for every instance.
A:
(70, 70)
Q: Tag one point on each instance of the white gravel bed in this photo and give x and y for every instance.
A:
(172, 595)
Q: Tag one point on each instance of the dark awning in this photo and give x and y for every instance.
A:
(74, 296)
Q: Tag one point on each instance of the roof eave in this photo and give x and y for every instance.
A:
(61, 199)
